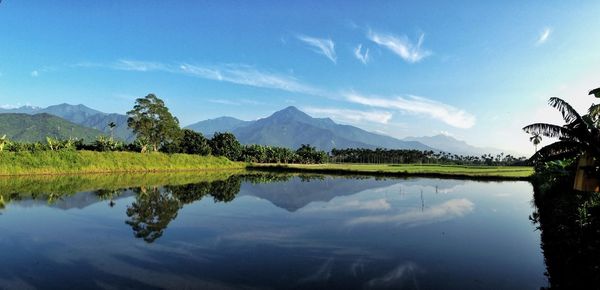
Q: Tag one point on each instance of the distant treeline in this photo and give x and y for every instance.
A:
(403, 156)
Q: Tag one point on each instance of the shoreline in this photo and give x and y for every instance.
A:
(478, 173)
(52, 163)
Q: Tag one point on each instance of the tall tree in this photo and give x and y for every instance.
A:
(226, 144)
(578, 136)
(151, 120)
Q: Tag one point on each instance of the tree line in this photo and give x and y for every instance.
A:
(400, 156)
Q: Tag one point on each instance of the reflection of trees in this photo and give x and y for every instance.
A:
(151, 212)
(153, 209)
(569, 222)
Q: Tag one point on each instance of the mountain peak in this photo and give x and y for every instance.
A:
(290, 113)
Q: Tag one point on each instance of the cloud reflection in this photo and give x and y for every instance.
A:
(445, 211)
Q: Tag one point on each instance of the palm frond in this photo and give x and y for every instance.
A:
(558, 150)
(568, 113)
(548, 130)
(594, 110)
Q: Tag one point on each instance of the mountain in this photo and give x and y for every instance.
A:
(222, 124)
(452, 145)
(26, 127)
(84, 116)
(291, 128)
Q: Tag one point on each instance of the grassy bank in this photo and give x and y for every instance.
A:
(425, 170)
(71, 162)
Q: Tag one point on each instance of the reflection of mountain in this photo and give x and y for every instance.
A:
(296, 193)
(79, 200)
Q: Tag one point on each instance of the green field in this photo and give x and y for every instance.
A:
(77, 162)
(433, 170)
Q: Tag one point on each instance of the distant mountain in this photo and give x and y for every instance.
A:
(26, 127)
(222, 124)
(84, 116)
(452, 145)
(291, 128)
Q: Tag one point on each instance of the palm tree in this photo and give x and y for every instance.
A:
(111, 126)
(578, 136)
(536, 139)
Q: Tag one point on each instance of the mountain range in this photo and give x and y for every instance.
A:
(289, 127)
(83, 116)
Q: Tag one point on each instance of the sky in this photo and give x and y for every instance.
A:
(474, 70)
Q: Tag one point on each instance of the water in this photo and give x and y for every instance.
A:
(275, 231)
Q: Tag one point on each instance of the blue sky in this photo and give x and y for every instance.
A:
(478, 71)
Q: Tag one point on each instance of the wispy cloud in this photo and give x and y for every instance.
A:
(240, 74)
(352, 116)
(35, 73)
(401, 45)
(324, 46)
(420, 106)
(544, 36)
(360, 55)
(249, 76)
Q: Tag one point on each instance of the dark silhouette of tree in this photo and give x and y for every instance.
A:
(578, 136)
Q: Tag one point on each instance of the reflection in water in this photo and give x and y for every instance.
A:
(444, 211)
(569, 222)
(252, 230)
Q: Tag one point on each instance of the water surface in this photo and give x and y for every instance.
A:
(268, 231)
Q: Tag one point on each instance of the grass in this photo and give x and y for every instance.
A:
(426, 170)
(84, 162)
(81, 162)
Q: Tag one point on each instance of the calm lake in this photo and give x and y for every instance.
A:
(224, 231)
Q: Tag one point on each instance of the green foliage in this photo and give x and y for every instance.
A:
(226, 144)
(190, 143)
(151, 120)
(310, 154)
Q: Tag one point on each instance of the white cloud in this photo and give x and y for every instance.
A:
(353, 116)
(401, 46)
(445, 211)
(248, 75)
(35, 73)
(224, 102)
(544, 36)
(324, 46)
(419, 106)
(362, 57)
(143, 66)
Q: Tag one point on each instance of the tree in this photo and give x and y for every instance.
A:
(580, 135)
(535, 139)
(309, 154)
(225, 144)
(112, 126)
(192, 142)
(151, 121)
